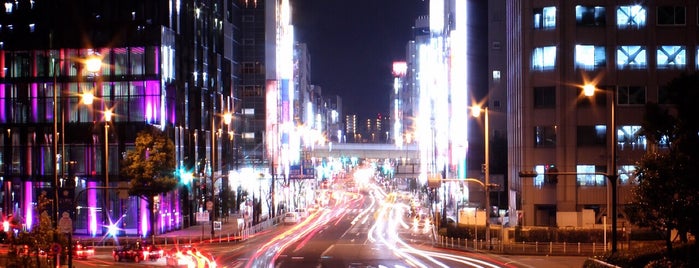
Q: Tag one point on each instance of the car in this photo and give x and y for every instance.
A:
(291, 218)
(81, 251)
(153, 253)
(134, 252)
(188, 257)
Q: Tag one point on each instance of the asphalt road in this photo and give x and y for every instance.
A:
(355, 230)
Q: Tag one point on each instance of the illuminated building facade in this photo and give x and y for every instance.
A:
(441, 128)
(167, 64)
(628, 49)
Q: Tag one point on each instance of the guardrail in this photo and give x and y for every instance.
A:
(533, 248)
(192, 237)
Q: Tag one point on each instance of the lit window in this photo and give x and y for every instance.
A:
(248, 111)
(589, 56)
(627, 174)
(590, 15)
(589, 175)
(671, 15)
(248, 135)
(545, 18)
(631, 57)
(544, 58)
(539, 179)
(633, 16)
(672, 57)
(629, 138)
(496, 75)
(9, 7)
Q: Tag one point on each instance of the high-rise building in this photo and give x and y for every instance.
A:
(628, 51)
(168, 64)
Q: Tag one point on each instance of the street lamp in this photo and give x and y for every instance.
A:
(92, 64)
(107, 120)
(227, 117)
(589, 90)
(476, 112)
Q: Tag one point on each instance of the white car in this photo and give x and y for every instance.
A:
(302, 212)
(291, 218)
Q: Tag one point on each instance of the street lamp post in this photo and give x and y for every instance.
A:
(227, 117)
(589, 90)
(107, 120)
(476, 111)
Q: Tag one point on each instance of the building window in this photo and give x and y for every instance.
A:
(248, 111)
(248, 18)
(664, 95)
(544, 58)
(633, 16)
(631, 95)
(590, 15)
(590, 56)
(592, 135)
(629, 138)
(545, 18)
(540, 179)
(671, 15)
(249, 68)
(545, 136)
(631, 57)
(589, 175)
(496, 75)
(672, 57)
(598, 100)
(544, 97)
(252, 91)
(627, 174)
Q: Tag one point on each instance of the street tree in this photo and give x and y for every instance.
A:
(665, 197)
(40, 238)
(150, 167)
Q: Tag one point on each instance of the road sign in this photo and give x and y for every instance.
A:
(217, 225)
(56, 248)
(202, 216)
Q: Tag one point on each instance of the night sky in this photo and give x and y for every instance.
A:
(353, 45)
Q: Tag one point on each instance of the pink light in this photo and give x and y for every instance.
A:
(28, 197)
(144, 217)
(92, 207)
(400, 68)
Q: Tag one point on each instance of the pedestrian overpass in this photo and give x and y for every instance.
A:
(406, 157)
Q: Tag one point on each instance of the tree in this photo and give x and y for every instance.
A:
(41, 237)
(150, 167)
(665, 197)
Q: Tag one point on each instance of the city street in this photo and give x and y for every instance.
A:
(366, 229)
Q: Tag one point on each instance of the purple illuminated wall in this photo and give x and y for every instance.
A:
(152, 105)
(3, 100)
(34, 102)
(28, 200)
(144, 217)
(92, 207)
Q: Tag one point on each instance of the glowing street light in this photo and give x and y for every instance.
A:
(476, 112)
(589, 90)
